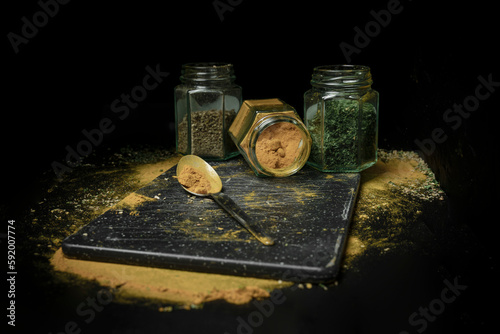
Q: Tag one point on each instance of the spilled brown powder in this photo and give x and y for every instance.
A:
(167, 285)
(194, 180)
(278, 145)
(132, 201)
(392, 195)
(376, 227)
(74, 201)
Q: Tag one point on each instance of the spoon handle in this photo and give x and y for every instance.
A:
(251, 225)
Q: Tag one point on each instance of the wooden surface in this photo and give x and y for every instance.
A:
(162, 225)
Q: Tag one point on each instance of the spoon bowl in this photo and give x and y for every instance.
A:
(203, 168)
(210, 175)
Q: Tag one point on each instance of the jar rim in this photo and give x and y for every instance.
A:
(342, 76)
(207, 71)
(300, 160)
(207, 65)
(342, 67)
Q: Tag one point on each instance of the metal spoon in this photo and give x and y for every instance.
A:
(222, 199)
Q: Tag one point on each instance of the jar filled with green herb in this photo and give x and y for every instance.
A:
(341, 114)
(206, 103)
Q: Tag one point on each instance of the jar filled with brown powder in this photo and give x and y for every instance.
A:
(271, 137)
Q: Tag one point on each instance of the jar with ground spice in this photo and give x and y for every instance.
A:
(271, 137)
(341, 114)
(206, 103)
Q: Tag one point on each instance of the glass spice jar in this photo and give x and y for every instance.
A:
(271, 137)
(206, 103)
(341, 114)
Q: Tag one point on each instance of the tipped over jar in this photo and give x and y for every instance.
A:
(271, 137)
(341, 114)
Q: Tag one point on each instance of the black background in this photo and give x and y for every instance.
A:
(426, 59)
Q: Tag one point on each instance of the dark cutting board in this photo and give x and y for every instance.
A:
(308, 215)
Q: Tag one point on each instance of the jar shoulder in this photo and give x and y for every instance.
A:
(327, 94)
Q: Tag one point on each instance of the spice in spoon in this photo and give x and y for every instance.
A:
(194, 181)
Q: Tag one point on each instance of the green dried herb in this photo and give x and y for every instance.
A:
(344, 138)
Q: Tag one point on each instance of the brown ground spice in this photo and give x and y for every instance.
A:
(278, 145)
(194, 180)
(392, 196)
(183, 288)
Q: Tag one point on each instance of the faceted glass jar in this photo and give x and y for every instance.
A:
(271, 137)
(341, 114)
(206, 103)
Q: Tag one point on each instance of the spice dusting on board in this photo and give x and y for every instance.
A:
(89, 191)
(194, 180)
(278, 145)
(132, 201)
(393, 196)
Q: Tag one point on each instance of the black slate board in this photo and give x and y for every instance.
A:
(308, 215)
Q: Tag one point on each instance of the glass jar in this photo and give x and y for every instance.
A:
(341, 114)
(271, 137)
(206, 103)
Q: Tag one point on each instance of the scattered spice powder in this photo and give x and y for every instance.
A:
(181, 288)
(278, 145)
(194, 180)
(394, 193)
(395, 196)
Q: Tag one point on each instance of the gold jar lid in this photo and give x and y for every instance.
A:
(271, 137)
